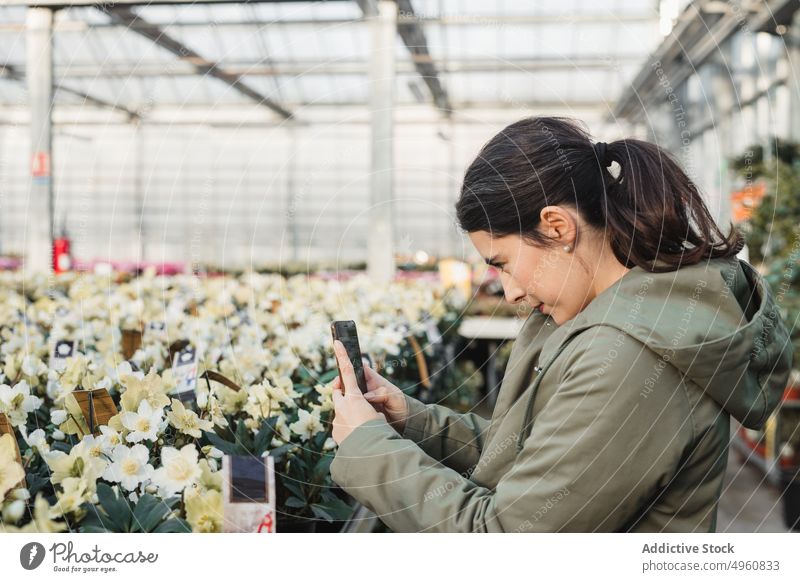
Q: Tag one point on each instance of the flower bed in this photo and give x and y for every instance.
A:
(154, 465)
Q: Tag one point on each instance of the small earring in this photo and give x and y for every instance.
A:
(567, 248)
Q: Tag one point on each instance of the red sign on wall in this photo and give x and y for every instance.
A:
(40, 165)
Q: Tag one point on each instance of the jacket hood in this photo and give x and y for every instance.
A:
(717, 322)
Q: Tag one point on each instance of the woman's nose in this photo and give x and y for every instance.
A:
(514, 294)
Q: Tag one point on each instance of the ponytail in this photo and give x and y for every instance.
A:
(652, 214)
(656, 215)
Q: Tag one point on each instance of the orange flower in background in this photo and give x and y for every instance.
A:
(745, 200)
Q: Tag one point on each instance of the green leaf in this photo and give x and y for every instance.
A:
(295, 502)
(294, 488)
(149, 512)
(117, 509)
(226, 447)
(278, 452)
(244, 438)
(173, 525)
(322, 468)
(302, 389)
(321, 512)
(338, 509)
(319, 440)
(328, 376)
(95, 521)
(265, 435)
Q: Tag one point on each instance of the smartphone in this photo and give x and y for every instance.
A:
(345, 332)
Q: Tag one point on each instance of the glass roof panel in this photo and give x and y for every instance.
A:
(485, 53)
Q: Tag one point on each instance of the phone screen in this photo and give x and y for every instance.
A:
(248, 480)
(345, 332)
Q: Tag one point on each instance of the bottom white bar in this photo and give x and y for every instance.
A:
(331, 557)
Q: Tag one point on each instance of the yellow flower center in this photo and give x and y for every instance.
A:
(179, 470)
(130, 467)
(143, 425)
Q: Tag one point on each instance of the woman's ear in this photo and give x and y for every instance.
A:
(558, 224)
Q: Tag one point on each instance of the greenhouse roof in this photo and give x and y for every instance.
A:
(287, 57)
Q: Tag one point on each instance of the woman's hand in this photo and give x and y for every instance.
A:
(386, 399)
(351, 409)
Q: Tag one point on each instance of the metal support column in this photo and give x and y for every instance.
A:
(380, 243)
(793, 82)
(39, 209)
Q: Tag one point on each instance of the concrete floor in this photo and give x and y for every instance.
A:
(748, 502)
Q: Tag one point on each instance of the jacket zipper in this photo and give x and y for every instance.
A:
(527, 420)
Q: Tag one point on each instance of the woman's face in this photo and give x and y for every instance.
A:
(550, 279)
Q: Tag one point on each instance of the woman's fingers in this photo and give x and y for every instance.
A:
(373, 378)
(379, 398)
(345, 368)
(335, 384)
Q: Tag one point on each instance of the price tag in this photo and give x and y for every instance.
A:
(62, 349)
(97, 406)
(248, 494)
(131, 341)
(184, 370)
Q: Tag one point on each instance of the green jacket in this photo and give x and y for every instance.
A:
(617, 420)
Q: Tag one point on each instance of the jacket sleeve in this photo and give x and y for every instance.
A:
(450, 437)
(597, 453)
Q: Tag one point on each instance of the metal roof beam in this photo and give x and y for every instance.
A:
(11, 72)
(256, 68)
(701, 30)
(414, 38)
(125, 16)
(451, 20)
(105, 5)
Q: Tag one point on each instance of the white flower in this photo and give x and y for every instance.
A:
(33, 366)
(187, 421)
(307, 425)
(129, 466)
(37, 440)
(59, 435)
(125, 369)
(58, 416)
(108, 439)
(17, 402)
(104, 382)
(14, 511)
(178, 470)
(143, 424)
(81, 461)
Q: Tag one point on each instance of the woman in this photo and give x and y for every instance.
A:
(613, 414)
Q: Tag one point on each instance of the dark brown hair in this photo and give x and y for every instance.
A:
(652, 213)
